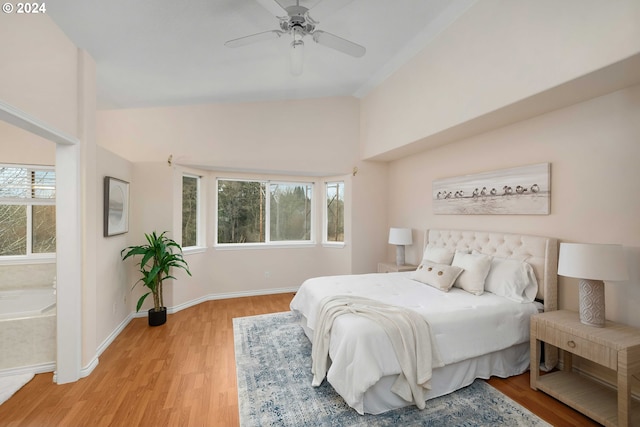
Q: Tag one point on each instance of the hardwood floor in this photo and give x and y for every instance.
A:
(183, 374)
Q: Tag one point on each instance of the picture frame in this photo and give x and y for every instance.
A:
(116, 206)
(521, 190)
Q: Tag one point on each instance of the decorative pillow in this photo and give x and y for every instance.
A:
(440, 276)
(438, 255)
(512, 279)
(476, 267)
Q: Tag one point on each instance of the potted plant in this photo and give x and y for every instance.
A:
(157, 259)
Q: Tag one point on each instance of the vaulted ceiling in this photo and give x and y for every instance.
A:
(172, 52)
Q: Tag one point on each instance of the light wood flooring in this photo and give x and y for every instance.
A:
(183, 374)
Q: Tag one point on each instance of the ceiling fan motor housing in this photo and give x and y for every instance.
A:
(297, 20)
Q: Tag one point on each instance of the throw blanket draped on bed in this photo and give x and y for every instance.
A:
(409, 333)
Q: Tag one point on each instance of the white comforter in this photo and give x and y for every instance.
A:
(409, 333)
(463, 325)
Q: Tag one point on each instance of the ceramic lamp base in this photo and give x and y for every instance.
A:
(399, 254)
(591, 302)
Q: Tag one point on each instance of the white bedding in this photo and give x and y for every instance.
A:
(464, 326)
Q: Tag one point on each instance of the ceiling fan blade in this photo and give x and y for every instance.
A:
(338, 43)
(254, 38)
(273, 7)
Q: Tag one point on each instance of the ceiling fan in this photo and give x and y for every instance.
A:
(298, 23)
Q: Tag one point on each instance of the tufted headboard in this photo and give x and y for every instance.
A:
(540, 252)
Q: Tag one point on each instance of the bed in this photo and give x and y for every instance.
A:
(476, 335)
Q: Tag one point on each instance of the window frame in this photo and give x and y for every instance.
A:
(200, 239)
(325, 214)
(268, 243)
(29, 202)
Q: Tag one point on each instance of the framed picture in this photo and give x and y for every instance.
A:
(116, 206)
(523, 190)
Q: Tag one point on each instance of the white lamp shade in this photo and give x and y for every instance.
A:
(592, 261)
(400, 236)
(297, 57)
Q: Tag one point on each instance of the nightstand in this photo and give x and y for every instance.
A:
(389, 267)
(615, 346)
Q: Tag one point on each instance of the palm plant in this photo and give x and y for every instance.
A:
(157, 259)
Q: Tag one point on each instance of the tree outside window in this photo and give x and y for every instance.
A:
(335, 211)
(190, 210)
(27, 210)
(247, 208)
(290, 212)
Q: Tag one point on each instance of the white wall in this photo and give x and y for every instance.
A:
(594, 153)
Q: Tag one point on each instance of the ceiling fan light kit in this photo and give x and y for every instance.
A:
(298, 23)
(297, 57)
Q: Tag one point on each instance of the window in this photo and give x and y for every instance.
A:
(190, 210)
(27, 210)
(264, 212)
(334, 212)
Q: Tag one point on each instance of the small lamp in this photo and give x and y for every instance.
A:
(592, 263)
(400, 237)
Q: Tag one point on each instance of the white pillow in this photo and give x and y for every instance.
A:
(439, 276)
(512, 279)
(476, 267)
(438, 255)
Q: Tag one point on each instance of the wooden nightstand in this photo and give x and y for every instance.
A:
(614, 346)
(389, 267)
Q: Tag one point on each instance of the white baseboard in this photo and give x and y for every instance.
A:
(212, 297)
(88, 369)
(33, 369)
(171, 310)
(112, 336)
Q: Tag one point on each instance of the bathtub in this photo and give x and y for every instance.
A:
(28, 329)
(21, 303)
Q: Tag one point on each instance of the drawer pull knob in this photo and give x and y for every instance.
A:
(571, 344)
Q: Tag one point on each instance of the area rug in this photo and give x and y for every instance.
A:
(10, 384)
(273, 366)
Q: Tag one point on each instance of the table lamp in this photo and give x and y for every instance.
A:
(592, 264)
(400, 237)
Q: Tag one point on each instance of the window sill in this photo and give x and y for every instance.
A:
(244, 246)
(23, 259)
(194, 250)
(335, 245)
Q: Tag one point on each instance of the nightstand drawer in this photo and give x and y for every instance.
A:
(581, 347)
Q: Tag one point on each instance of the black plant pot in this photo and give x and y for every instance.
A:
(157, 318)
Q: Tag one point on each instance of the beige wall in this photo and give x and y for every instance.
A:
(498, 53)
(20, 146)
(312, 138)
(594, 151)
(47, 77)
(315, 136)
(39, 70)
(112, 281)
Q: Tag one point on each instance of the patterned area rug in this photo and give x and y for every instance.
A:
(273, 365)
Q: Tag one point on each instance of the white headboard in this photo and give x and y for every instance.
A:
(540, 252)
